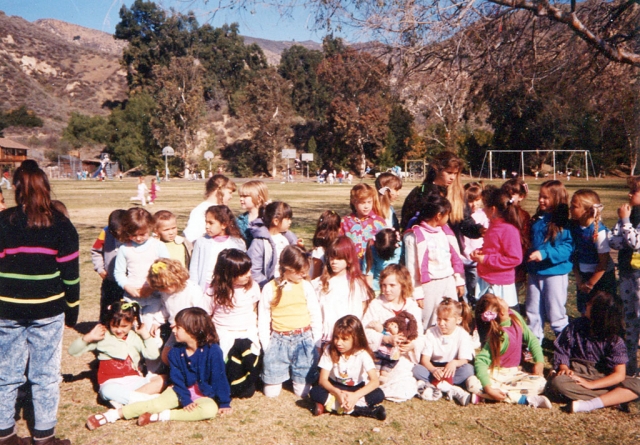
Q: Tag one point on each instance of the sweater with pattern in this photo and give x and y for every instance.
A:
(39, 268)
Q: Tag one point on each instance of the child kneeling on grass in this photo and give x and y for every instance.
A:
(348, 378)
(591, 357)
(197, 371)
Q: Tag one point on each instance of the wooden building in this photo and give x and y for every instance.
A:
(11, 153)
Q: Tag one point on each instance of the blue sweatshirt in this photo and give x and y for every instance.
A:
(556, 254)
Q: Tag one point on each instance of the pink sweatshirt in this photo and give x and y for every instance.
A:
(502, 253)
(436, 254)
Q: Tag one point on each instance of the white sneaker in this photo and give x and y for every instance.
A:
(459, 395)
(539, 402)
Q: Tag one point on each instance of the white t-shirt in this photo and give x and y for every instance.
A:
(243, 315)
(281, 242)
(339, 301)
(444, 348)
(350, 372)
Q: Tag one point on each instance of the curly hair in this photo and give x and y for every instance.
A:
(166, 273)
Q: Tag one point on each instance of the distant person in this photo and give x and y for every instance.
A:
(142, 192)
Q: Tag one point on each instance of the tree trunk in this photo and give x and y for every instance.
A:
(274, 161)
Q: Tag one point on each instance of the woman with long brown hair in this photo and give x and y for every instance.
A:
(39, 294)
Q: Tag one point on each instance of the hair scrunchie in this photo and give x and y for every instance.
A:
(489, 316)
(383, 190)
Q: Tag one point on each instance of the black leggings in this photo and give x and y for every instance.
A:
(320, 395)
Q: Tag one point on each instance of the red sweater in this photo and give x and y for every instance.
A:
(502, 253)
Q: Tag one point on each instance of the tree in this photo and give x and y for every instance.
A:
(359, 112)
(265, 106)
(131, 139)
(180, 106)
(400, 129)
(299, 65)
(82, 130)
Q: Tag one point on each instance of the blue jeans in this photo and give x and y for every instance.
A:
(459, 378)
(290, 356)
(38, 342)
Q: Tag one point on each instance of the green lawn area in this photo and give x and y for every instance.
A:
(286, 420)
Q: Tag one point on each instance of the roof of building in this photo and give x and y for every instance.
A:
(8, 143)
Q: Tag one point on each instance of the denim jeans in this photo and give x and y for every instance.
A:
(290, 356)
(38, 342)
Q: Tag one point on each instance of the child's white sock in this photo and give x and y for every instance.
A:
(165, 415)
(301, 389)
(111, 415)
(584, 406)
(272, 390)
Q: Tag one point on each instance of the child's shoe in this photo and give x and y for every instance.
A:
(147, 418)
(51, 440)
(318, 409)
(539, 402)
(376, 412)
(13, 439)
(96, 421)
(459, 395)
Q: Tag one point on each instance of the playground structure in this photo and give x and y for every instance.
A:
(72, 167)
(490, 153)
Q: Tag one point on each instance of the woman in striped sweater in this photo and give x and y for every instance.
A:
(39, 294)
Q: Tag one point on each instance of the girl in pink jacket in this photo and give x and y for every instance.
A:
(502, 249)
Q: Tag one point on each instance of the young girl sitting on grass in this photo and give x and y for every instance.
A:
(445, 363)
(197, 373)
(120, 343)
(348, 381)
(590, 358)
(497, 363)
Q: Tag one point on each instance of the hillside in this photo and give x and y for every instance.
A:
(84, 37)
(54, 76)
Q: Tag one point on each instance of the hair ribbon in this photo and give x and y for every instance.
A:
(383, 190)
(489, 316)
(129, 304)
(157, 267)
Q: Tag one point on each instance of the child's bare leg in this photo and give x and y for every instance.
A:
(617, 396)
(155, 386)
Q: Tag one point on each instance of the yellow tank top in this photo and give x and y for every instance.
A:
(292, 312)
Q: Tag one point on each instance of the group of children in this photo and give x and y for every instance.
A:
(189, 323)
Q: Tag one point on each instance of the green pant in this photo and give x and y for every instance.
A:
(206, 408)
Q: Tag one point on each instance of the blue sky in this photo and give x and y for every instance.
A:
(262, 22)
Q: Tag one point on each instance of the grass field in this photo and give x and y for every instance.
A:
(287, 420)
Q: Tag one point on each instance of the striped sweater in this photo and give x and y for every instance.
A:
(39, 268)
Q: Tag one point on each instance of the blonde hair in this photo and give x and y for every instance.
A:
(384, 182)
(590, 202)
(216, 184)
(256, 190)
(362, 191)
(165, 273)
(460, 309)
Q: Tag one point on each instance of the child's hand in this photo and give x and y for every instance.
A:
(624, 211)
(225, 411)
(535, 256)
(460, 291)
(133, 291)
(190, 407)
(155, 330)
(398, 339)
(142, 331)
(96, 334)
(449, 370)
(477, 256)
(349, 400)
(103, 274)
(438, 373)
(145, 291)
(495, 393)
(583, 382)
(483, 230)
(564, 370)
(420, 303)
(406, 346)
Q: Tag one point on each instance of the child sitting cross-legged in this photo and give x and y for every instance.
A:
(448, 351)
